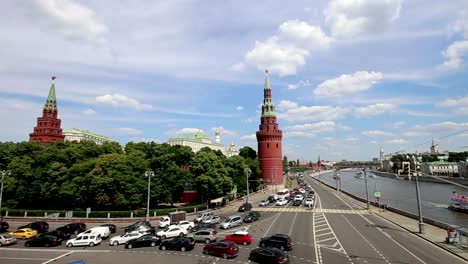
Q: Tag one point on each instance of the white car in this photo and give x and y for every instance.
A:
(186, 224)
(117, 240)
(103, 230)
(264, 203)
(298, 197)
(215, 219)
(90, 240)
(172, 231)
(281, 202)
(309, 202)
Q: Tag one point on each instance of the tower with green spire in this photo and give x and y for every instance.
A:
(269, 139)
(48, 127)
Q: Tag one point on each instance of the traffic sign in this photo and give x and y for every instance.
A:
(377, 194)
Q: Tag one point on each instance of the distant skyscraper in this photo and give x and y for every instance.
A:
(48, 126)
(269, 139)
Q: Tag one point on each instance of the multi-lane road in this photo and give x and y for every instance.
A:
(335, 231)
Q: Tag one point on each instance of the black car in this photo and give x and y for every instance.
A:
(143, 241)
(271, 199)
(136, 225)
(39, 226)
(297, 202)
(43, 241)
(203, 226)
(4, 226)
(112, 228)
(57, 233)
(245, 207)
(72, 228)
(178, 243)
(251, 216)
(280, 241)
(269, 255)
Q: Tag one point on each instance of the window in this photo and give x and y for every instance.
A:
(268, 145)
(276, 145)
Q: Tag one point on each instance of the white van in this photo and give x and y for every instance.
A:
(232, 221)
(201, 216)
(90, 240)
(102, 230)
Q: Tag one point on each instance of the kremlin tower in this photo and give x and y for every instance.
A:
(269, 139)
(48, 126)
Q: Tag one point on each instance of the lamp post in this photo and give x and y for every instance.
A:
(1, 188)
(418, 197)
(148, 174)
(247, 172)
(367, 191)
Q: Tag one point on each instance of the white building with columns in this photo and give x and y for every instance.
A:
(199, 140)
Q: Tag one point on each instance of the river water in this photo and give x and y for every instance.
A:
(401, 194)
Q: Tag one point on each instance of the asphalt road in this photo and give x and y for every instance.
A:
(335, 231)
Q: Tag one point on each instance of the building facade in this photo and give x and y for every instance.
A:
(463, 169)
(200, 140)
(48, 128)
(269, 139)
(440, 168)
(78, 135)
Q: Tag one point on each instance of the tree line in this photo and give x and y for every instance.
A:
(73, 176)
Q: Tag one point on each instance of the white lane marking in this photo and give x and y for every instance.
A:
(59, 257)
(24, 258)
(57, 250)
(268, 230)
(324, 234)
(292, 225)
(315, 240)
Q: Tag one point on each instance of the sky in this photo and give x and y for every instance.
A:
(348, 77)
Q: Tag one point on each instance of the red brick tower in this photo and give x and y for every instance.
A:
(269, 139)
(48, 126)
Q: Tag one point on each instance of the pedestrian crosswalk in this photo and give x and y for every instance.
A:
(307, 210)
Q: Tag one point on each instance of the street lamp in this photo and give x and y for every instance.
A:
(418, 197)
(247, 172)
(367, 191)
(1, 188)
(148, 174)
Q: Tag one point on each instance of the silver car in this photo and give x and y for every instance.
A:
(215, 219)
(206, 235)
(6, 239)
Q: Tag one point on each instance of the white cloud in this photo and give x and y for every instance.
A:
(312, 129)
(299, 84)
(351, 139)
(143, 139)
(183, 131)
(374, 110)
(238, 67)
(460, 25)
(459, 104)
(72, 19)
(249, 120)
(376, 133)
(416, 134)
(304, 35)
(454, 55)
(224, 132)
(345, 128)
(429, 129)
(294, 112)
(285, 105)
(398, 124)
(299, 134)
(397, 141)
(129, 131)
(373, 142)
(251, 137)
(348, 84)
(348, 18)
(122, 100)
(239, 108)
(88, 111)
(425, 114)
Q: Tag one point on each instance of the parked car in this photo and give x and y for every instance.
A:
(172, 231)
(205, 235)
(102, 230)
(39, 226)
(73, 228)
(269, 255)
(251, 216)
(226, 249)
(298, 197)
(264, 203)
(280, 241)
(136, 226)
(24, 233)
(271, 198)
(201, 216)
(297, 202)
(240, 238)
(187, 225)
(117, 240)
(4, 226)
(147, 240)
(57, 233)
(112, 228)
(281, 202)
(43, 241)
(231, 221)
(204, 226)
(214, 219)
(7, 239)
(90, 239)
(178, 243)
(245, 207)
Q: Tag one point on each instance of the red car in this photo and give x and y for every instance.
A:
(240, 237)
(226, 249)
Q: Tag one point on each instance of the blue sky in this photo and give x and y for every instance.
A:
(348, 76)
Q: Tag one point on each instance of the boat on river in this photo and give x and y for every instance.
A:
(459, 203)
(371, 175)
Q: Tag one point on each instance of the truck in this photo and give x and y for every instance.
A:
(172, 218)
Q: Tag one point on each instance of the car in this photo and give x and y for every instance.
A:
(281, 202)
(24, 233)
(204, 226)
(297, 202)
(39, 226)
(112, 228)
(72, 228)
(298, 197)
(178, 243)
(240, 237)
(57, 233)
(90, 239)
(231, 221)
(187, 225)
(226, 249)
(103, 230)
(201, 216)
(280, 241)
(268, 255)
(7, 239)
(136, 226)
(172, 231)
(309, 202)
(205, 235)
(215, 219)
(43, 241)
(264, 203)
(251, 216)
(117, 240)
(245, 207)
(4, 226)
(147, 240)
(271, 198)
